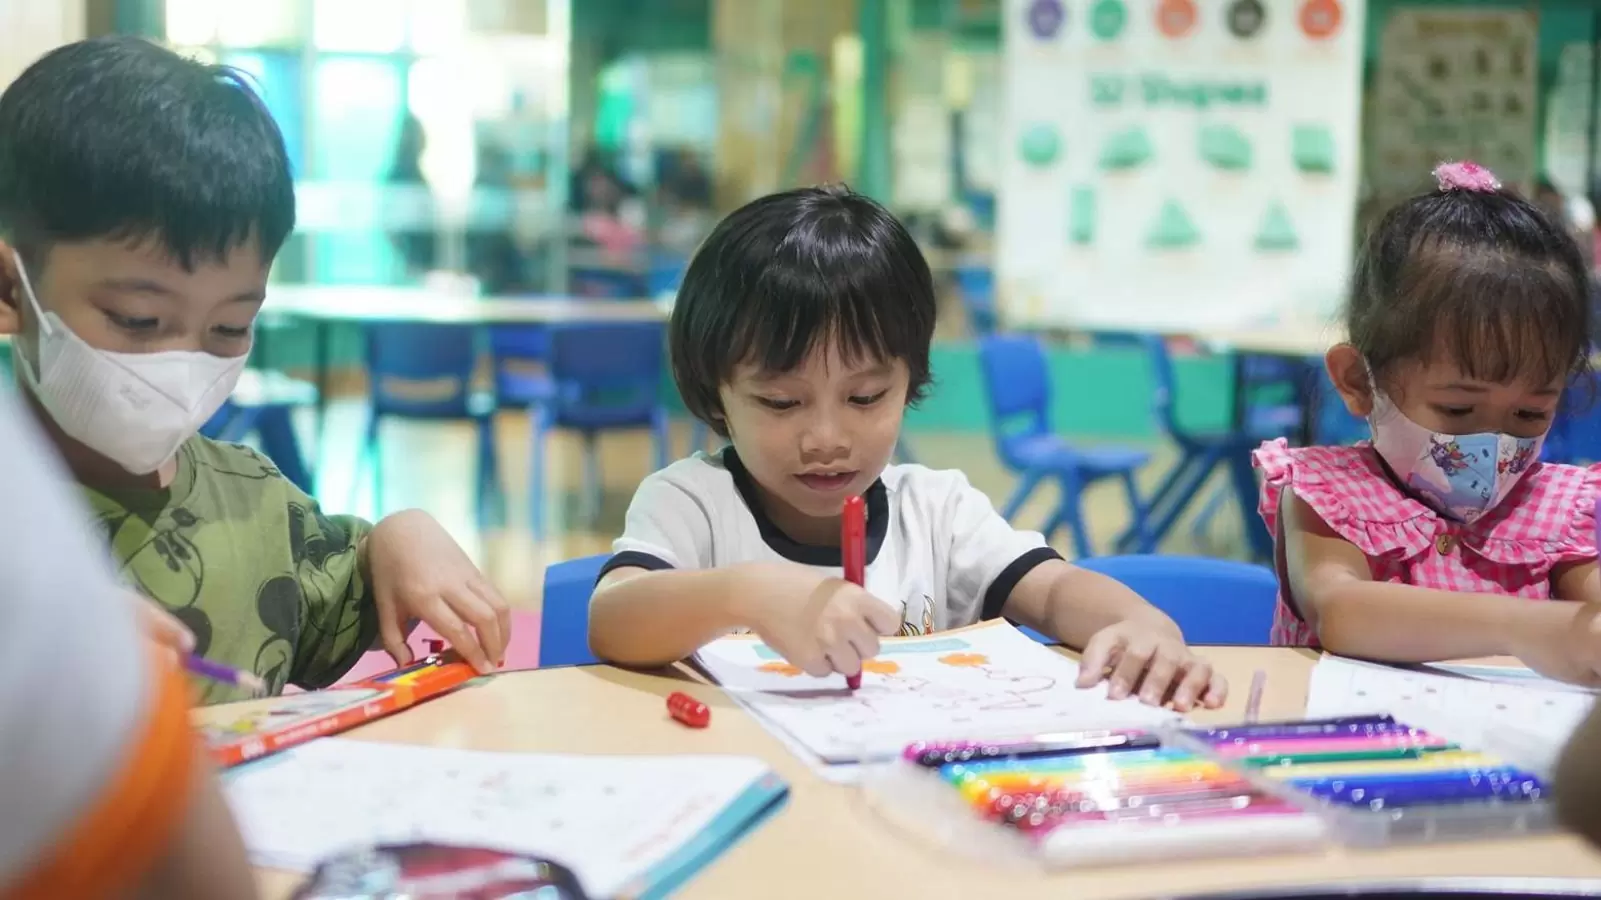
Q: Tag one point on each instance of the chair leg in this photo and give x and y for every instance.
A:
(699, 434)
(489, 495)
(1139, 515)
(539, 433)
(1184, 492)
(1128, 541)
(366, 456)
(1207, 513)
(592, 486)
(1070, 514)
(276, 426)
(1245, 490)
(1026, 483)
(661, 437)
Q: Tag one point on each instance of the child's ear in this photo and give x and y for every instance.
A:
(10, 292)
(1349, 373)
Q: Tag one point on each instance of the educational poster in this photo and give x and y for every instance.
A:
(1567, 120)
(1177, 164)
(988, 680)
(1453, 84)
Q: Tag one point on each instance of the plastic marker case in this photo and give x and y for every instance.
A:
(1116, 797)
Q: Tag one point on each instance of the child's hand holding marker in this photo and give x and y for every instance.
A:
(418, 572)
(820, 625)
(163, 627)
(1153, 661)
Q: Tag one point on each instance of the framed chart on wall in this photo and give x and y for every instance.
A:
(1177, 164)
(1453, 84)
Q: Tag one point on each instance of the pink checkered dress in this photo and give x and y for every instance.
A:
(1547, 519)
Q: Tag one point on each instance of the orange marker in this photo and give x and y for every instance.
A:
(853, 554)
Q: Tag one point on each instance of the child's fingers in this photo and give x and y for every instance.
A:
(485, 590)
(1159, 676)
(864, 642)
(444, 620)
(1126, 674)
(1217, 692)
(1197, 680)
(165, 628)
(390, 635)
(1097, 657)
(844, 659)
(479, 615)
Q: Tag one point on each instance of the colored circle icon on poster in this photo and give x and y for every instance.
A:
(1046, 17)
(1107, 18)
(1175, 18)
(1246, 18)
(1039, 145)
(1321, 18)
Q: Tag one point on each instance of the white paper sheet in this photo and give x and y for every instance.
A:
(614, 820)
(1523, 720)
(988, 680)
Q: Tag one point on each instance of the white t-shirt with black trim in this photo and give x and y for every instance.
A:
(936, 547)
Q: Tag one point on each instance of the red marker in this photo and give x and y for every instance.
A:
(688, 710)
(853, 554)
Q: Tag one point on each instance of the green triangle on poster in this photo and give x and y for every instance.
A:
(1173, 228)
(1277, 232)
(1126, 149)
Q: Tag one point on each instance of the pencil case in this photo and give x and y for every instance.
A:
(1378, 781)
(1087, 798)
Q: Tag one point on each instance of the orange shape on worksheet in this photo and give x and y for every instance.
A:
(881, 666)
(779, 668)
(964, 660)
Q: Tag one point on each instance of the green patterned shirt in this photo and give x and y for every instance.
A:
(266, 582)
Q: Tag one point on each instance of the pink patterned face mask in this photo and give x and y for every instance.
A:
(1462, 475)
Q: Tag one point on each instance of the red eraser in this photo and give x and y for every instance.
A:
(688, 710)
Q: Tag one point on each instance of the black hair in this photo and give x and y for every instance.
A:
(786, 272)
(1486, 277)
(119, 138)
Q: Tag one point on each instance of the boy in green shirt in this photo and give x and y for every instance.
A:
(143, 197)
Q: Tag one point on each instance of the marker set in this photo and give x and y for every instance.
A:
(1091, 798)
(1111, 797)
(1379, 781)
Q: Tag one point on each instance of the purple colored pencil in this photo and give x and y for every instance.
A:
(205, 668)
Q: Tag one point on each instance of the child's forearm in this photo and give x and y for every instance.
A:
(1082, 603)
(1402, 623)
(655, 618)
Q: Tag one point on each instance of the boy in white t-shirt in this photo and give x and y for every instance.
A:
(801, 333)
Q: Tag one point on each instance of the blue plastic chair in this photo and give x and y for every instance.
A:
(564, 613)
(520, 354)
(607, 377)
(976, 287)
(1200, 453)
(425, 372)
(1214, 601)
(1017, 387)
(664, 274)
(1575, 436)
(263, 404)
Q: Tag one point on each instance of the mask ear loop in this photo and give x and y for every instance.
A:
(30, 296)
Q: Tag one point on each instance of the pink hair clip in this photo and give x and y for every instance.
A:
(1466, 176)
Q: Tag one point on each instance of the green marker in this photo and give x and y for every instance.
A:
(1371, 755)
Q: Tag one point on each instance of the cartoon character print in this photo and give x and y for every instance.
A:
(921, 624)
(1519, 461)
(1448, 456)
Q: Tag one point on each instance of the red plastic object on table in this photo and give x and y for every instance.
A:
(688, 710)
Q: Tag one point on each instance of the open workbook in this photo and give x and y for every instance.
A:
(988, 679)
(627, 826)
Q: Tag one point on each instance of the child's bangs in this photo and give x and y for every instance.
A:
(1500, 320)
(794, 311)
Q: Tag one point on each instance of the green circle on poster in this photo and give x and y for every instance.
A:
(1040, 145)
(1107, 18)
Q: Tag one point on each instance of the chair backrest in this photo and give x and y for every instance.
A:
(1575, 435)
(1017, 388)
(421, 370)
(1214, 601)
(564, 619)
(607, 374)
(519, 342)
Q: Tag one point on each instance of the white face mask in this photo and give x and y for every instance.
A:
(135, 409)
(1461, 475)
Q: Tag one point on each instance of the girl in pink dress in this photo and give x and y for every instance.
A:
(1468, 315)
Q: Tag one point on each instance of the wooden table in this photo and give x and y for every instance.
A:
(827, 843)
(364, 304)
